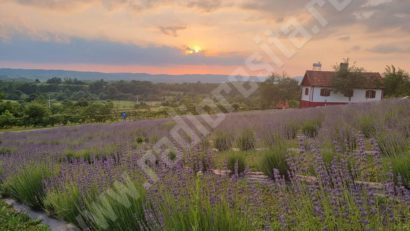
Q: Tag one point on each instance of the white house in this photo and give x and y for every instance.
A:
(317, 89)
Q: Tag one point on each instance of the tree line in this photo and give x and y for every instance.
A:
(26, 102)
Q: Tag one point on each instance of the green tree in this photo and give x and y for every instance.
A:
(54, 80)
(396, 82)
(7, 120)
(98, 112)
(36, 114)
(347, 78)
(278, 89)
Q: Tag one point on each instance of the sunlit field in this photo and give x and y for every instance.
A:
(328, 168)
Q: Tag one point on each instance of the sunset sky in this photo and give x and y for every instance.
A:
(200, 36)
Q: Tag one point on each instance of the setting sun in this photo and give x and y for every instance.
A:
(193, 49)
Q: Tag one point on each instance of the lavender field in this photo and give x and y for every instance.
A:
(329, 168)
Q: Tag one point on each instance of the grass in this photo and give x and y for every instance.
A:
(27, 185)
(196, 212)
(10, 220)
(123, 104)
(311, 128)
(236, 162)
(89, 154)
(223, 141)
(119, 208)
(401, 169)
(252, 158)
(275, 158)
(63, 203)
(246, 141)
(392, 144)
(367, 125)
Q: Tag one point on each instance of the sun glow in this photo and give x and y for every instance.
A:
(193, 49)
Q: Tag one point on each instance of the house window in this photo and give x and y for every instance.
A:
(306, 91)
(370, 94)
(325, 92)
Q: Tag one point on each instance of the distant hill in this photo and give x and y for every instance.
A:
(9, 73)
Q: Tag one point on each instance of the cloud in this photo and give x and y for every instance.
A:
(390, 49)
(355, 48)
(374, 15)
(206, 5)
(55, 4)
(20, 49)
(344, 38)
(171, 30)
(137, 5)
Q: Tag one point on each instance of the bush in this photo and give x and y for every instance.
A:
(310, 128)
(367, 125)
(246, 140)
(401, 167)
(27, 185)
(275, 158)
(64, 203)
(236, 157)
(392, 144)
(223, 141)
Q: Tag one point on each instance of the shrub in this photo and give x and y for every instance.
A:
(310, 128)
(246, 141)
(223, 141)
(401, 167)
(27, 185)
(126, 201)
(64, 203)
(236, 158)
(367, 125)
(392, 144)
(275, 158)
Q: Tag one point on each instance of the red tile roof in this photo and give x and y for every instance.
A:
(324, 79)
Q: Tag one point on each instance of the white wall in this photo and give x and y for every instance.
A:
(309, 96)
(359, 96)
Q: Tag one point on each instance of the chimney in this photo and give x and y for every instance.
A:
(344, 66)
(317, 66)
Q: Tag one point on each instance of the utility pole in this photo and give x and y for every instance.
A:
(49, 102)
